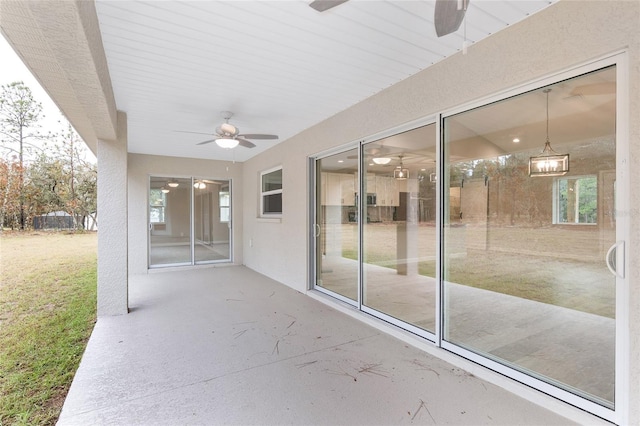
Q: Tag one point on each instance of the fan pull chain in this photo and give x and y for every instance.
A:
(465, 43)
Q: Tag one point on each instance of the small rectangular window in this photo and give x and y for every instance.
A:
(576, 200)
(271, 192)
(224, 206)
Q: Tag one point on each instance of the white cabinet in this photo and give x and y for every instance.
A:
(337, 189)
(387, 193)
(348, 193)
(371, 183)
(333, 190)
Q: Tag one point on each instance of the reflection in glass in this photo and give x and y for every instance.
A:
(525, 283)
(399, 233)
(337, 224)
(211, 221)
(170, 221)
(177, 204)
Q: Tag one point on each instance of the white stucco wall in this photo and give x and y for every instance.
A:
(112, 214)
(567, 34)
(143, 166)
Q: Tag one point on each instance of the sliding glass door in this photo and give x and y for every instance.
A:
(525, 279)
(492, 232)
(212, 220)
(169, 221)
(189, 221)
(399, 234)
(336, 225)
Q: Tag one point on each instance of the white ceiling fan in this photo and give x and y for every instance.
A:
(228, 136)
(447, 17)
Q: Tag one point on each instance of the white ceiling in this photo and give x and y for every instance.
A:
(280, 66)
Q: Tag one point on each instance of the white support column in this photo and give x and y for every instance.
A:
(112, 223)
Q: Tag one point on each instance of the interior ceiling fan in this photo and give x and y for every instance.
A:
(447, 17)
(383, 157)
(228, 136)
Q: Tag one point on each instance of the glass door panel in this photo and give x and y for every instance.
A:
(525, 282)
(169, 221)
(399, 233)
(337, 224)
(212, 212)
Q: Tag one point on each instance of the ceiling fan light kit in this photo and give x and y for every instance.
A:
(227, 143)
(382, 160)
(173, 184)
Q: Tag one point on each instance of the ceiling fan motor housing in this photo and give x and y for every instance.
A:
(227, 129)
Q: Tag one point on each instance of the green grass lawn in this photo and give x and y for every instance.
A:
(47, 312)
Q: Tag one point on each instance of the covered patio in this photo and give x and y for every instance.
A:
(250, 338)
(227, 345)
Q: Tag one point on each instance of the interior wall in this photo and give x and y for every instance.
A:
(176, 218)
(142, 166)
(564, 35)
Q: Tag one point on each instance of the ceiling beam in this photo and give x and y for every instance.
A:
(60, 42)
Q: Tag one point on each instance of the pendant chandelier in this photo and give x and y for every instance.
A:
(549, 162)
(400, 172)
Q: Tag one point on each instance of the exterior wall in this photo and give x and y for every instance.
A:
(142, 166)
(113, 276)
(565, 35)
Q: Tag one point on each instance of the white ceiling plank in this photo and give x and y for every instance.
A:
(280, 66)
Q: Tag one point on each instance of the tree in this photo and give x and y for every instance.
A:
(61, 179)
(80, 185)
(41, 174)
(19, 118)
(45, 185)
(9, 193)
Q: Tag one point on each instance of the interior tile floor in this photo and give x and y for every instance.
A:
(226, 345)
(563, 345)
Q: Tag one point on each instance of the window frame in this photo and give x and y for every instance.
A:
(264, 194)
(226, 207)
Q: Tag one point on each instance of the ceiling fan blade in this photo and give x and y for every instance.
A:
(448, 15)
(245, 143)
(322, 5)
(605, 88)
(195, 133)
(258, 136)
(206, 142)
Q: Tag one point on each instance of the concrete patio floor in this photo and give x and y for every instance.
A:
(226, 345)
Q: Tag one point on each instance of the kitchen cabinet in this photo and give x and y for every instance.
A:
(337, 189)
(348, 192)
(387, 193)
(371, 183)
